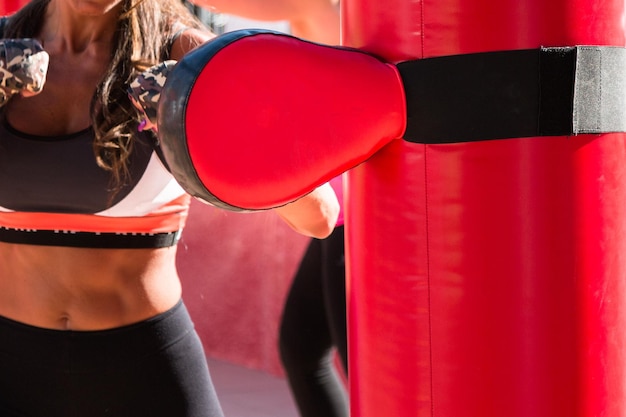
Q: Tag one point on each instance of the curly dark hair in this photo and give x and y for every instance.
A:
(143, 37)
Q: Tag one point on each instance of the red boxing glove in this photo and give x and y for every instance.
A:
(256, 119)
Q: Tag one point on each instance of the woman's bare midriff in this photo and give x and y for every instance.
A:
(85, 289)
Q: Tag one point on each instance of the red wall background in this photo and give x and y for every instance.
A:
(236, 269)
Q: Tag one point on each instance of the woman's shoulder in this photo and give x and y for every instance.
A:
(186, 39)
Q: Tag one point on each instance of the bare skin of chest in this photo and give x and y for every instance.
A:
(63, 105)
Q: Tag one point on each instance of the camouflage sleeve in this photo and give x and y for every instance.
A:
(145, 90)
(23, 67)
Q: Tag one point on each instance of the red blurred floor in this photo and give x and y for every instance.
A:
(250, 393)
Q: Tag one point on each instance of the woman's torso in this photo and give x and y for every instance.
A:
(85, 289)
(66, 287)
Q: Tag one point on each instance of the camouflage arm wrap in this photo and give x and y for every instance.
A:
(23, 67)
(145, 90)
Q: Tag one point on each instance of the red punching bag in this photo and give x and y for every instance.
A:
(486, 277)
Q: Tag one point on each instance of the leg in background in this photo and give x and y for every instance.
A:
(306, 336)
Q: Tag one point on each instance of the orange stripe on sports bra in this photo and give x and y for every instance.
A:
(169, 218)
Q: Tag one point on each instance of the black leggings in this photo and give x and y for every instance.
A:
(154, 368)
(313, 322)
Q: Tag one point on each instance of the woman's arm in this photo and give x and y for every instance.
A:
(266, 9)
(189, 40)
(313, 215)
(314, 20)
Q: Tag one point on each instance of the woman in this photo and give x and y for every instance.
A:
(91, 318)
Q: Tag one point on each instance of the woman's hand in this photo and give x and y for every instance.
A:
(23, 68)
(145, 91)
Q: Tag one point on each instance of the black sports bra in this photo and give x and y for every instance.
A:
(60, 174)
(52, 192)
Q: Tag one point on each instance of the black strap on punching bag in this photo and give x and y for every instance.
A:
(511, 94)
